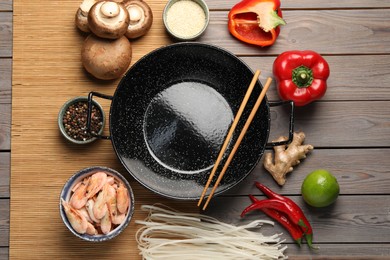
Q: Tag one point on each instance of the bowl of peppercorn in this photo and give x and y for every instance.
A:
(72, 120)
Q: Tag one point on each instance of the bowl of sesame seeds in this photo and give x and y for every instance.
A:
(72, 120)
(186, 20)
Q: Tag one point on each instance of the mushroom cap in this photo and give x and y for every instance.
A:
(82, 21)
(81, 17)
(106, 58)
(141, 18)
(108, 19)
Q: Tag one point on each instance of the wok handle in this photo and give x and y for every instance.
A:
(89, 115)
(291, 127)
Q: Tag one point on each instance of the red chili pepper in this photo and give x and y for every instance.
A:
(273, 195)
(279, 205)
(301, 76)
(256, 21)
(295, 232)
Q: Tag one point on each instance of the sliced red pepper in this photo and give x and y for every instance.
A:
(301, 76)
(256, 21)
(295, 232)
(273, 195)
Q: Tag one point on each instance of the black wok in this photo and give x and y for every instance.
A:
(171, 112)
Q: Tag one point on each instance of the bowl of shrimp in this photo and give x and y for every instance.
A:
(96, 204)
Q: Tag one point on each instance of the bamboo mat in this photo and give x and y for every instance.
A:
(47, 72)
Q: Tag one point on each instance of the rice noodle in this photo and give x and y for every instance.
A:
(170, 234)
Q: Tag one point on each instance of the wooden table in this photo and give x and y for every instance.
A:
(349, 127)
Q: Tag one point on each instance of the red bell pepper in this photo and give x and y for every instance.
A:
(301, 76)
(256, 21)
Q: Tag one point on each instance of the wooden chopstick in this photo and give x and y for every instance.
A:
(238, 142)
(230, 133)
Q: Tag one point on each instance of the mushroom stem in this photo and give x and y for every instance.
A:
(136, 14)
(108, 19)
(110, 9)
(141, 18)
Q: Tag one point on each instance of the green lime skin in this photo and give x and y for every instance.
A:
(320, 188)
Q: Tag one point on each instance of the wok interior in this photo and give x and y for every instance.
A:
(170, 115)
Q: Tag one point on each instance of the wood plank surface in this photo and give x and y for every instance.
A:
(5, 5)
(4, 222)
(348, 127)
(350, 166)
(4, 253)
(339, 124)
(366, 80)
(5, 80)
(6, 34)
(5, 122)
(5, 126)
(5, 159)
(326, 31)
(351, 218)
(314, 4)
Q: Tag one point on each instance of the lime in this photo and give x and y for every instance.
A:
(320, 188)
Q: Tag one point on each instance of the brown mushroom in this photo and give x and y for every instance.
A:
(106, 58)
(81, 18)
(141, 18)
(108, 19)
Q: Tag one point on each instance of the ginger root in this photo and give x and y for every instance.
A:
(286, 157)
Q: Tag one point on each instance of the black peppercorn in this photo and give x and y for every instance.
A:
(75, 121)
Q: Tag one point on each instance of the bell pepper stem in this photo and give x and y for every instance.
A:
(270, 22)
(302, 76)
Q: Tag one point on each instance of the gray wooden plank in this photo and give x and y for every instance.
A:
(325, 31)
(338, 124)
(351, 167)
(5, 34)
(5, 158)
(5, 102)
(5, 126)
(6, 5)
(4, 222)
(338, 251)
(352, 219)
(351, 77)
(4, 253)
(5, 80)
(304, 4)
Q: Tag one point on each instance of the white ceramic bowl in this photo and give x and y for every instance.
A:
(67, 192)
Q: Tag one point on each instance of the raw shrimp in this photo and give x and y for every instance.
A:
(91, 230)
(98, 204)
(76, 220)
(105, 224)
(89, 207)
(110, 180)
(83, 211)
(122, 198)
(96, 183)
(100, 208)
(79, 197)
(118, 219)
(111, 201)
